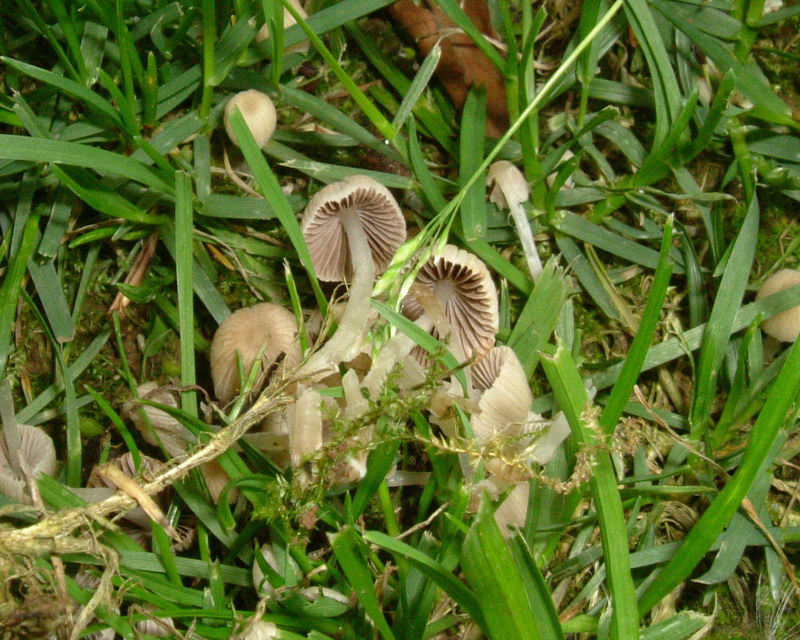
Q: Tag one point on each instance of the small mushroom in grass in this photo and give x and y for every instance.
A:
(465, 290)
(352, 229)
(783, 326)
(25, 452)
(260, 630)
(156, 425)
(265, 330)
(258, 112)
(511, 189)
(288, 21)
(505, 398)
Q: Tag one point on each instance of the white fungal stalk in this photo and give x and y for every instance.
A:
(347, 340)
(510, 190)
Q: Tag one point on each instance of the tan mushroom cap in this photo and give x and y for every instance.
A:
(246, 331)
(38, 451)
(158, 426)
(465, 289)
(506, 397)
(324, 233)
(784, 326)
(258, 112)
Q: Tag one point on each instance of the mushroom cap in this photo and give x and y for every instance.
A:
(510, 185)
(326, 238)
(258, 112)
(171, 433)
(784, 326)
(464, 287)
(37, 448)
(246, 331)
(506, 397)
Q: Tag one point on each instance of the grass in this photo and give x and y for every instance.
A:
(660, 159)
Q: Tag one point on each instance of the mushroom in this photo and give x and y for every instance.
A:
(288, 21)
(157, 426)
(510, 190)
(463, 286)
(783, 326)
(265, 330)
(258, 112)
(260, 630)
(352, 229)
(505, 398)
(25, 451)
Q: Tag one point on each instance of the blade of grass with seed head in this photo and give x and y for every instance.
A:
(571, 396)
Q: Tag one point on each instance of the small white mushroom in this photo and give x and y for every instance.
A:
(510, 190)
(784, 326)
(288, 21)
(258, 112)
(260, 630)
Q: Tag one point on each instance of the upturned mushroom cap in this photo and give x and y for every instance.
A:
(157, 425)
(784, 326)
(246, 331)
(465, 289)
(258, 112)
(37, 449)
(506, 397)
(325, 235)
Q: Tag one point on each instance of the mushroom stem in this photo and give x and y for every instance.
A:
(526, 239)
(347, 339)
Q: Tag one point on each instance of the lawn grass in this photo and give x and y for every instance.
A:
(659, 148)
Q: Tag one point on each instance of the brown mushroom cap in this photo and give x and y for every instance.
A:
(246, 331)
(325, 235)
(465, 289)
(784, 326)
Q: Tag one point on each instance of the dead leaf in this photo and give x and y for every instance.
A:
(462, 64)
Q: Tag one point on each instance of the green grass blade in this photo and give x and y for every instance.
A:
(473, 128)
(644, 336)
(571, 396)
(722, 318)
(184, 246)
(271, 190)
(348, 551)
(770, 421)
(491, 569)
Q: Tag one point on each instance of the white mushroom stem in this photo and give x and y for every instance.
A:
(347, 340)
(526, 239)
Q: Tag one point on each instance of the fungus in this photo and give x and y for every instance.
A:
(510, 190)
(258, 112)
(463, 286)
(260, 630)
(267, 330)
(783, 326)
(352, 229)
(288, 21)
(155, 425)
(25, 452)
(505, 399)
